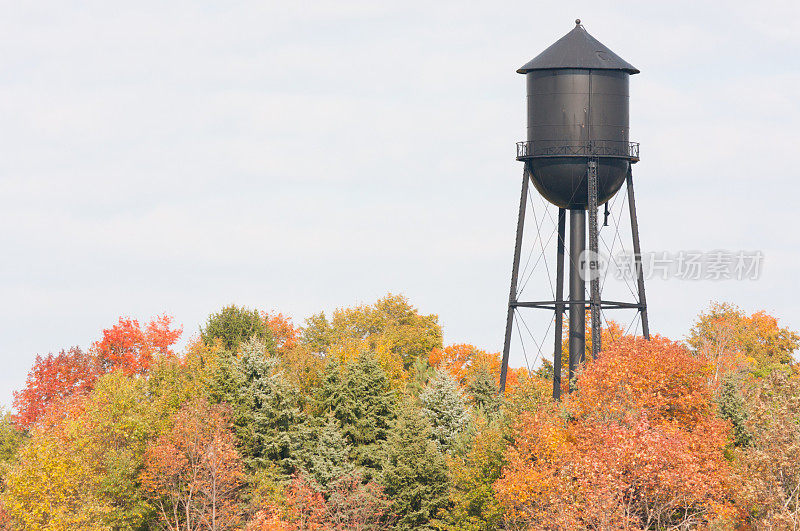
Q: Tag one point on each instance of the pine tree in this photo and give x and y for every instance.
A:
(483, 392)
(444, 406)
(420, 373)
(363, 402)
(330, 459)
(732, 406)
(266, 411)
(415, 472)
(332, 390)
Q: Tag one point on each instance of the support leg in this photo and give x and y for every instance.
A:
(577, 287)
(559, 304)
(592, 267)
(512, 295)
(637, 252)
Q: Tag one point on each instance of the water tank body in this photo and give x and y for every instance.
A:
(578, 106)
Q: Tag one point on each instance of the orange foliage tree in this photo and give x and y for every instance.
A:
(464, 362)
(283, 331)
(193, 471)
(128, 347)
(637, 446)
(347, 504)
(731, 340)
(302, 367)
(610, 333)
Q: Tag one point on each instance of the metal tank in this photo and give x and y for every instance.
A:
(577, 108)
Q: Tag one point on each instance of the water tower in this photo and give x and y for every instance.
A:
(577, 155)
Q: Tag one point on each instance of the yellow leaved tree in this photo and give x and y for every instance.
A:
(391, 329)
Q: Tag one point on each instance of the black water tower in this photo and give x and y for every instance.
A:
(577, 154)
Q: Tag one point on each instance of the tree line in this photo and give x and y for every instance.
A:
(364, 420)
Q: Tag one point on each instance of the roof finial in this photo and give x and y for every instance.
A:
(577, 22)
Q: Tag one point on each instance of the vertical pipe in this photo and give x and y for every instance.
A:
(577, 303)
(637, 253)
(562, 218)
(512, 295)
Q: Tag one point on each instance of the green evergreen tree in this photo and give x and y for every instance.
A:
(483, 392)
(415, 472)
(732, 406)
(364, 403)
(420, 373)
(330, 459)
(234, 325)
(445, 408)
(332, 390)
(267, 413)
(546, 370)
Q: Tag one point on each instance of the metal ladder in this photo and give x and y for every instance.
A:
(593, 265)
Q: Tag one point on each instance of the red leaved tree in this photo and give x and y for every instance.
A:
(124, 346)
(52, 379)
(128, 347)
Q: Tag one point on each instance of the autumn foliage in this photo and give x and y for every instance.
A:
(464, 362)
(347, 504)
(366, 421)
(124, 346)
(637, 446)
(732, 341)
(129, 347)
(659, 379)
(194, 471)
(284, 333)
(53, 378)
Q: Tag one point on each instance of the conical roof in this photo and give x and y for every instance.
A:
(578, 49)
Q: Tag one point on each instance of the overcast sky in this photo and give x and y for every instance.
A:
(302, 156)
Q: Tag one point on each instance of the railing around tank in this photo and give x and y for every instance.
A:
(596, 148)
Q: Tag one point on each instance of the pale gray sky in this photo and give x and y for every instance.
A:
(177, 156)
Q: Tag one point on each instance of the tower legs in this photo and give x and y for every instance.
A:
(562, 218)
(512, 295)
(637, 253)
